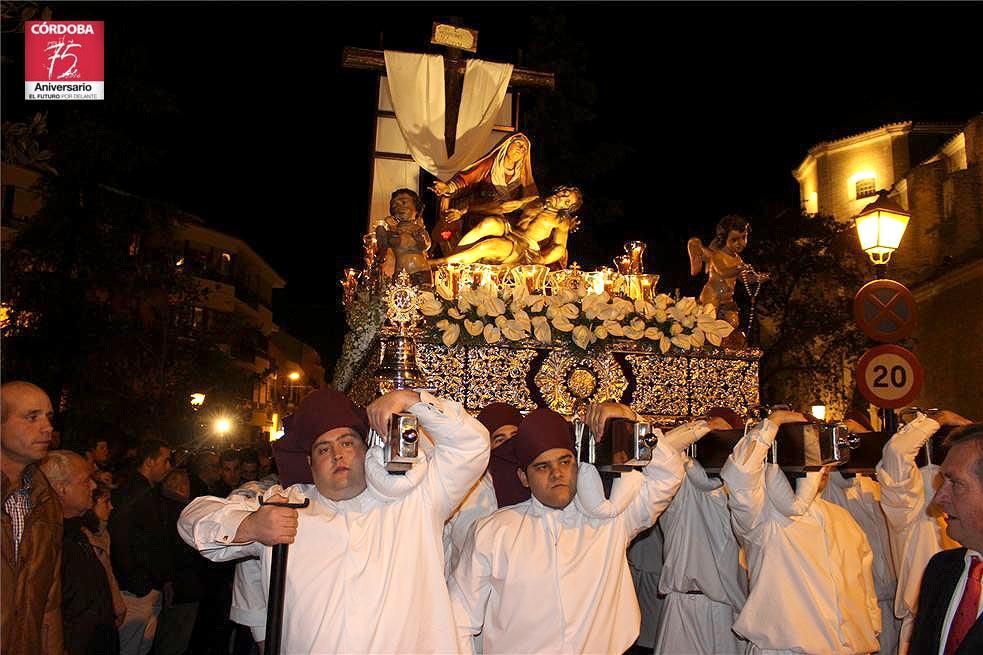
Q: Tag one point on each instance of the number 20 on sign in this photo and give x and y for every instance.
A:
(889, 376)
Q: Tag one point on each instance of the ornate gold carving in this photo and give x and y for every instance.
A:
(499, 375)
(445, 369)
(660, 384)
(665, 386)
(722, 383)
(581, 382)
(557, 372)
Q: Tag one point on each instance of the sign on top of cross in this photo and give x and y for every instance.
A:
(457, 40)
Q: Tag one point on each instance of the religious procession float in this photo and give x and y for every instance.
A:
(490, 305)
(503, 317)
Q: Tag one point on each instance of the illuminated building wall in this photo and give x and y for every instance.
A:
(934, 171)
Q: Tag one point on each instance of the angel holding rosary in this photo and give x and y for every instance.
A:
(723, 264)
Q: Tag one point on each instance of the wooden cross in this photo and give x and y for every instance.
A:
(454, 66)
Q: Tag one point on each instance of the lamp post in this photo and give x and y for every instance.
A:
(880, 226)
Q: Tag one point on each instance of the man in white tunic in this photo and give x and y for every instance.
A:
(549, 575)
(917, 528)
(811, 586)
(365, 569)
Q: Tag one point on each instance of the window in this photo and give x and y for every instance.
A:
(866, 188)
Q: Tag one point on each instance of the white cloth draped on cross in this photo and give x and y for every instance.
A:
(416, 85)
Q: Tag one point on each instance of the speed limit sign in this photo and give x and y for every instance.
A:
(889, 376)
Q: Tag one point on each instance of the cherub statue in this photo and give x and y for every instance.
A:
(538, 237)
(723, 264)
(402, 240)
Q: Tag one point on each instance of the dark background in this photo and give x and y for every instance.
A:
(668, 116)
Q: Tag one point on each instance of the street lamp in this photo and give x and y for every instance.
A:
(222, 426)
(294, 376)
(880, 226)
(197, 400)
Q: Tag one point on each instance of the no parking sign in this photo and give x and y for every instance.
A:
(889, 376)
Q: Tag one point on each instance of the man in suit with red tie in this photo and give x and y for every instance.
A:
(949, 604)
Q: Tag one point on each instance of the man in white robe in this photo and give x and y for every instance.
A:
(917, 529)
(811, 583)
(365, 571)
(549, 575)
(861, 496)
(703, 579)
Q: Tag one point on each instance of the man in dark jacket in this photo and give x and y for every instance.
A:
(949, 619)
(140, 554)
(87, 602)
(30, 607)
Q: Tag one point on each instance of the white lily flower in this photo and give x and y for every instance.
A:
(500, 321)
(664, 344)
(653, 334)
(562, 323)
(614, 328)
(535, 303)
(681, 341)
(687, 305)
(473, 328)
(429, 305)
(660, 316)
(442, 324)
(492, 334)
(541, 329)
(454, 313)
(569, 310)
(662, 301)
(513, 332)
(522, 320)
(698, 337)
(582, 336)
(451, 334)
(675, 329)
(600, 332)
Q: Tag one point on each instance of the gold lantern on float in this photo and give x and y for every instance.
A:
(532, 276)
(641, 286)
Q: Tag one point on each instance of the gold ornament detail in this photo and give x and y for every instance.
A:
(499, 375)
(445, 369)
(554, 377)
(722, 383)
(402, 304)
(581, 382)
(660, 384)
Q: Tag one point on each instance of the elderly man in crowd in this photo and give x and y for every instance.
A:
(30, 607)
(549, 575)
(950, 601)
(916, 527)
(87, 600)
(365, 572)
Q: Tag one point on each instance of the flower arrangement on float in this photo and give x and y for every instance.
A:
(489, 314)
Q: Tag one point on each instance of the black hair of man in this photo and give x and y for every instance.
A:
(229, 455)
(149, 449)
(249, 456)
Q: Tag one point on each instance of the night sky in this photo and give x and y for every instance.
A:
(256, 128)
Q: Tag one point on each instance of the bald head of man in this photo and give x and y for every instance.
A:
(25, 428)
